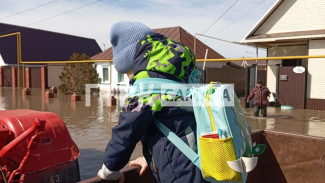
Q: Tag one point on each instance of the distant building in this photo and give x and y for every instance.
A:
(292, 28)
(39, 45)
(120, 81)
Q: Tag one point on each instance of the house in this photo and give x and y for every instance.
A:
(120, 81)
(294, 28)
(39, 45)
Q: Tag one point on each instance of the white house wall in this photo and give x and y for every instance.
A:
(316, 69)
(2, 62)
(282, 51)
(113, 77)
(119, 87)
(271, 77)
(104, 85)
(295, 15)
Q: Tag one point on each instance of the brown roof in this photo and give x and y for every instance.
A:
(105, 55)
(177, 34)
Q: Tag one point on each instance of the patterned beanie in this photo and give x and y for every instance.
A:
(124, 37)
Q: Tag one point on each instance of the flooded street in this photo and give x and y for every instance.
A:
(298, 121)
(90, 127)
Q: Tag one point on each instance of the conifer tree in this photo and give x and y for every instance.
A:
(75, 76)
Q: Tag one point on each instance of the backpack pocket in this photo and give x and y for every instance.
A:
(214, 154)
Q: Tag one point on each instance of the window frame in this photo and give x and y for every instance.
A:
(104, 67)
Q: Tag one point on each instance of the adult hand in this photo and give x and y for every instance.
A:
(247, 101)
(140, 161)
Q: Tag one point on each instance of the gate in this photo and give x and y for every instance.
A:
(229, 75)
(7, 77)
(35, 77)
(292, 87)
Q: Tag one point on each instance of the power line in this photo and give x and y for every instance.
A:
(45, 19)
(233, 42)
(247, 12)
(239, 18)
(48, 18)
(221, 16)
(6, 5)
(21, 12)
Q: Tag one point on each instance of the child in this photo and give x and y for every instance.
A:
(260, 94)
(141, 53)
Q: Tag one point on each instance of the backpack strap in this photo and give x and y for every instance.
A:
(179, 143)
(142, 87)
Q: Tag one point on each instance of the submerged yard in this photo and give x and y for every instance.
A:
(90, 127)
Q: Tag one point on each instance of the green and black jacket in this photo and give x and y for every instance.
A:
(156, 57)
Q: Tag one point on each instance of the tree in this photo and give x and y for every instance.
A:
(75, 76)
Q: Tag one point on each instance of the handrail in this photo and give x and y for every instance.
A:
(37, 126)
(198, 60)
(261, 58)
(63, 61)
(20, 61)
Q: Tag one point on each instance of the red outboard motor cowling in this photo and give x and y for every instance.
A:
(36, 147)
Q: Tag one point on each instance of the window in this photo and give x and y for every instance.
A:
(105, 75)
(120, 78)
(291, 62)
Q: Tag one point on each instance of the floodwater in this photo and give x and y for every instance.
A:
(91, 127)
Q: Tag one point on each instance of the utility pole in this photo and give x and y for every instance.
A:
(256, 64)
(203, 68)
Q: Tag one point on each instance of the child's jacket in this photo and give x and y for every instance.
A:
(260, 96)
(156, 57)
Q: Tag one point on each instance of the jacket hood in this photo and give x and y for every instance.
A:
(159, 57)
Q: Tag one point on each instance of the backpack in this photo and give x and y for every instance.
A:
(225, 149)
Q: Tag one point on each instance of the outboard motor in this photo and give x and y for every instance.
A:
(36, 147)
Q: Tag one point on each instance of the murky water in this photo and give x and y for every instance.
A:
(299, 121)
(91, 127)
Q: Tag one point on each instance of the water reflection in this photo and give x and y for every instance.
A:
(299, 121)
(91, 127)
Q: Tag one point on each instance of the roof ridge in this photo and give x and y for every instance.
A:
(185, 38)
(261, 21)
(168, 27)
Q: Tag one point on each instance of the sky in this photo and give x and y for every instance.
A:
(94, 18)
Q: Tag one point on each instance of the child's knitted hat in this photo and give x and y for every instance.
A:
(124, 37)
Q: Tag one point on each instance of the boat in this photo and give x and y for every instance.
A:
(287, 158)
(36, 147)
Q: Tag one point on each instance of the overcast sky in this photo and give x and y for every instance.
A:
(94, 18)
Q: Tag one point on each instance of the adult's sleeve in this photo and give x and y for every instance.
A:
(134, 122)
